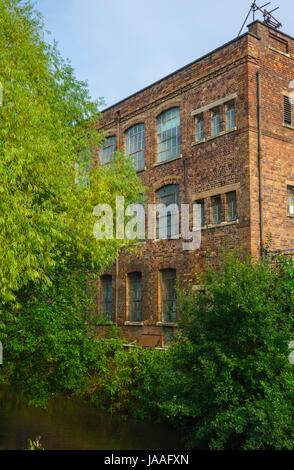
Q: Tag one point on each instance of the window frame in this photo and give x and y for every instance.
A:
(104, 150)
(139, 153)
(231, 212)
(219, 211)
(171, 133)
(171, 298)
(290, 197)
(203, 211)
(215, 128)
(160, 199)
(135, 315)
(230, 119)
(199, 134)
(108, 313)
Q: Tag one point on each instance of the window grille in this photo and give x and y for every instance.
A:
(216, 210)
(107, 150)
(168, 295)
(167, 195)
(232, 206)
(106, 297)
(168, 135)
(135, 145)
(135, 297)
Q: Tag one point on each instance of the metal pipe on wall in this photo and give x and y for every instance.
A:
(117, 253)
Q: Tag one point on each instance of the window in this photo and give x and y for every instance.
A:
(232, 206)
(135, 145)
(106, 150)
(199, 128)
(291, 200)
(201, 202)
(106, 297)
(287, 111)
(168, 295)
(215, 122)
(82, 169)
(216, 210)
(168, 135)
(230, 116)
(135, 297)
(167, 195)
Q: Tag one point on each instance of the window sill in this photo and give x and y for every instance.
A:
(198, 142)
(167, 161)
(288, 126)
(170, 325)
(280, 52)
(157, 240)
(133, 323)
(141, 170)
(221, 134)
(291, 216)
(222, 224)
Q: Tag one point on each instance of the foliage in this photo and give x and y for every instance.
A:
(47, 125)
(231, 383)
(127, 381)
(36, 444)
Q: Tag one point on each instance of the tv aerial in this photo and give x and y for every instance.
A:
(268, 18)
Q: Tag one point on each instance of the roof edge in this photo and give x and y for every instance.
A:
(180, 69)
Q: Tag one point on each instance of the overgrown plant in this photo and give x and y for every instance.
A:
(230, 382)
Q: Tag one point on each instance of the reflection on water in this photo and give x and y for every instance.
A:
(69, 424)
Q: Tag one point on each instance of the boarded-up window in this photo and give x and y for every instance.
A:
(135, 297)
(287, 111)
(232, 206)
(216, 209)
(291, 200)
(106, 297)
(168, 295)
(279, 44)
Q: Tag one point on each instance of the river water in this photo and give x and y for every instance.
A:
(68, 424)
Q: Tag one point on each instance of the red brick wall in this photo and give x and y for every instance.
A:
(230, 160)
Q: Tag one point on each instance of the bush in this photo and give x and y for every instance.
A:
(231, 384)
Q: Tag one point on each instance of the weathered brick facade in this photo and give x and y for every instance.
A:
(216, 166)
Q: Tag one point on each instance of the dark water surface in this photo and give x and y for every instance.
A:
(72, 425)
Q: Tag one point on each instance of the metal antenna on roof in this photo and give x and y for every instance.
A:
(268, 18)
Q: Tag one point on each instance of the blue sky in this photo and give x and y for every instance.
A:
(121, 46)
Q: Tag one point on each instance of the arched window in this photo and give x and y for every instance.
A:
(168, 135)
(167, 222)
(106, 150)
(135, 145)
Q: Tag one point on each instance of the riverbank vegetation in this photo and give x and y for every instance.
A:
(226, 382)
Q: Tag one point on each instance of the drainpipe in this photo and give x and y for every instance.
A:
(117, 253)
(259, 153)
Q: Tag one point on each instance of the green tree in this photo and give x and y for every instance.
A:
(230, 382)
(47, 124)
(48, 191)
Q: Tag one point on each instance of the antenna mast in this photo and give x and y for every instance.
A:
(268, 18)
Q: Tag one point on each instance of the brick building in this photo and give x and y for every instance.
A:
(219, 132)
